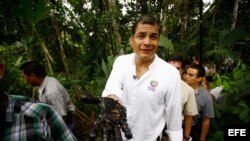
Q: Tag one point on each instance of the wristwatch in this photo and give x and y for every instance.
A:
(187, 137)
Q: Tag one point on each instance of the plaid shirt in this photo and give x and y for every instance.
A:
(30, 121)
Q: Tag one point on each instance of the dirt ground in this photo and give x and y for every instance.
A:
(82, 125)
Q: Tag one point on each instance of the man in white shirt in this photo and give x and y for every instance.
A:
(147, 86)
(50, 90)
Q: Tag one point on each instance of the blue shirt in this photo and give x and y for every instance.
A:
(204, 105)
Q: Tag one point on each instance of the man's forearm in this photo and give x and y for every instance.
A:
(187, 125)
(205, 128)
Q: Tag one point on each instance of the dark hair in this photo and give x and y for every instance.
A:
(175, 57)
(33, 67)
(210, 73)
(209, 78)
(146, 19)
(200, 70)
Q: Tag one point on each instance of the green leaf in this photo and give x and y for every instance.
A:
(33, 12)
(166, 43)
(226, 85)
(235, 35)
(104, 67)
(238, 74)
(244, 67)
(242, 104)
(247, 77)
(107, 66)
(218, 135)
(40, 11)
(218, 81)
(244, 114)
(221, 37)
(26, 10)
(236, 110)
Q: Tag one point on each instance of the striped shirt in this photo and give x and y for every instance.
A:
(31, 121)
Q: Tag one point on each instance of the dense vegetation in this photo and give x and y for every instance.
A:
(78, 41)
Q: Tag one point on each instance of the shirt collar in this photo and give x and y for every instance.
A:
(199, 89)
(41, 87)
(150, 66)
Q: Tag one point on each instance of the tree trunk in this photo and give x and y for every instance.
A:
(47, 56)
(164, 29)
(62, 53)
(115, 26)
(216, 5)
(184, 19)
(235, 13)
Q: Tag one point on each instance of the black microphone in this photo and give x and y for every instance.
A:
(134, 77)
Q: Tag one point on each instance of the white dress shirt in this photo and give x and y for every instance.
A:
(53, 93)
(151, 101)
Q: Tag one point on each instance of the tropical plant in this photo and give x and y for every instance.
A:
(235, 102)
(228, 45)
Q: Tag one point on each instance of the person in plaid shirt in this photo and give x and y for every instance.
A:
(22, 119)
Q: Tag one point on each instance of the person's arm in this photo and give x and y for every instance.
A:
(216, 92)
(113, 88)
(173, 109)
(204, 128)
(187, 126)
(56, 100)
(208, 114)
(190, 110)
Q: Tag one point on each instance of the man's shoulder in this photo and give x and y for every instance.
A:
(203, 91)
(124, 60)
(206, 95)
(186, 86)
(162, 65)
(125, 57)
(51, 79)
(52, 83)
(187, 90)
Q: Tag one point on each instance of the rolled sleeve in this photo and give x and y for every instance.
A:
(114, 91)
(175, 135)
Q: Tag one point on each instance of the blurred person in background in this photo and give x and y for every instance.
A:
(22, 119)
(189, 107)
(201, 122)
(207, 84)
(50, 90)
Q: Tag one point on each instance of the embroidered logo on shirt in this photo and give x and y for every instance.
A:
(153, 85)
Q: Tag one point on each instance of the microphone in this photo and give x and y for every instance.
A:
(134, 77)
